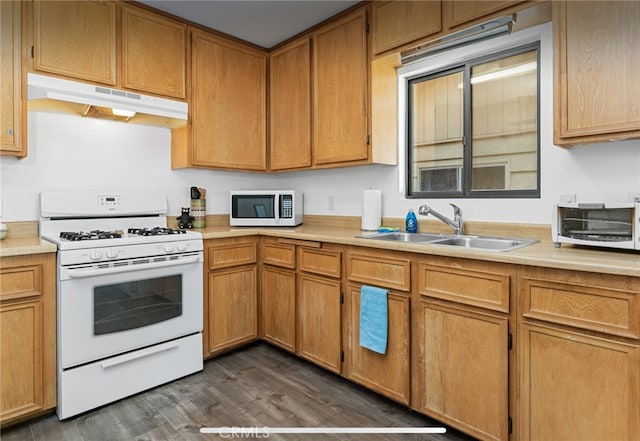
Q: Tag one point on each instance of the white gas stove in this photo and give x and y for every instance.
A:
(98, 219)
(129, 297)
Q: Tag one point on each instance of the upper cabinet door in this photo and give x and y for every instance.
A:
(597, 71)
(399, 22)
(459, 12)
(228, 104)
(153, 53)
(290, 109)
(76, 39)
(12, 135)
(340, 90)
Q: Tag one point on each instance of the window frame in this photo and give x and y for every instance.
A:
(467, 154)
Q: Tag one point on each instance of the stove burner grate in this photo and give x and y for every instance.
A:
(90, 235)
(156, 231)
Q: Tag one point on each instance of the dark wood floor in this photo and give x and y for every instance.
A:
(256, 386)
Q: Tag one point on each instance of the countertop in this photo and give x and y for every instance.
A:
(543, 253)
(20, 246)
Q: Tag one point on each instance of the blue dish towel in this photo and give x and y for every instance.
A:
(373, 318)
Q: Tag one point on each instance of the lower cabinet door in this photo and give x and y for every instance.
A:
(233, 308)
(21, 359)
(577, 387)
(279, 307)
(319, 321)
(461, 369)
(388, 373)
(27, 336)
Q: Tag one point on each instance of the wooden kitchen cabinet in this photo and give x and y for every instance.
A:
(340, 91)
(28, 336)
(319, 308)
(278, 289)
(460, 337)
(403, 25)
(290, 110)
(319, 99)
(596, 87)
(153, 53)
(388, 373)
(231, 294)
(577, 386)
(79, 40)
(396, 23)
(13, 115)
(76, 39)
(579, 355)
(456, 13)
(228, 107)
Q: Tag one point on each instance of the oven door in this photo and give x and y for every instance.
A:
(106, 309)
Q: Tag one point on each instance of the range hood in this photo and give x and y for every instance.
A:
(59, 95)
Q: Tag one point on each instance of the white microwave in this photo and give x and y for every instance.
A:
(265, 208)
(611, 225)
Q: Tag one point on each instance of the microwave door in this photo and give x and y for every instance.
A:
(254, 207)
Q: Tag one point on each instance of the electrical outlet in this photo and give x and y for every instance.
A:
(332, 203)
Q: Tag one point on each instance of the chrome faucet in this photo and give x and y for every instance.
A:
(456, 223)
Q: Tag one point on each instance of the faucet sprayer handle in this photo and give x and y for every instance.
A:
(424, 210)
(456, 210)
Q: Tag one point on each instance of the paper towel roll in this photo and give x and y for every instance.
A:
(371, 209)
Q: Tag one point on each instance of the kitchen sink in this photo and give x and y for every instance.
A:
(473, 242)
(485, 243)
(405, 237)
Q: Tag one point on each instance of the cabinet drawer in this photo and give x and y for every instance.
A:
(225, 255)
(468, 286)
(380, 271)
(279, 254)
(319, 261)
(610, 309)
(21, 281)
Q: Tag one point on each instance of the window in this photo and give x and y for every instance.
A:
(473, 128)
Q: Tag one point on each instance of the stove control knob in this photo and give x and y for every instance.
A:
(95, 255)
(112, 254)
(168, 248)
(182, 247)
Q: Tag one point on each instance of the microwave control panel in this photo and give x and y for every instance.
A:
(286, 206)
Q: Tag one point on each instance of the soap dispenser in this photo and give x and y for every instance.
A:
(411, 222)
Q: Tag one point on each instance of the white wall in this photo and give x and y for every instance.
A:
(68, 152)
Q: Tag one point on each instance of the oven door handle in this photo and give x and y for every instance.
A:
(83, 273)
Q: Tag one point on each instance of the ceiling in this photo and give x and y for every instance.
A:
(262, 22)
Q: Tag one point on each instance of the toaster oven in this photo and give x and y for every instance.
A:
(611, 225)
